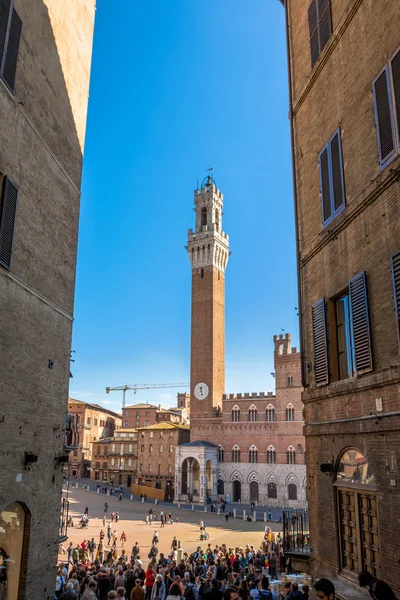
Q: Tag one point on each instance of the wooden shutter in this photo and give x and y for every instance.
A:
(337, 172)
(9, 206)
(396, 88)
(11, 53)
(4, 14)
(320, 345)
(325, 22)
(383, 115)
(395, 262)
(360, 324)
(313, 28)
(325, 185)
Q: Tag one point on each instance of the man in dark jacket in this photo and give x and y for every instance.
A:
(69, 593)
(295, 593)
(378, 589)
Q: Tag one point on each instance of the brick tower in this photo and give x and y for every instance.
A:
(208, 249)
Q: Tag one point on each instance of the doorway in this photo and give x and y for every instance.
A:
(236, 491)
(254, 492)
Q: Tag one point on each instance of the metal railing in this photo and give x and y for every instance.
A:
(296, 537)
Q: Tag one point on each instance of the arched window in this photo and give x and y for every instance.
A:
(291, 456)
(204, 216)
(289, 412)
(235, 414)
(252, 413)
(220, 454)
(236, 454)
(271, 455)
(217, 220)
(290, 381)
(272, 490)
(270, 413)
(292, 491)
(253, 454)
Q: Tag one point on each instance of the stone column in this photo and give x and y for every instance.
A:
(203, 483)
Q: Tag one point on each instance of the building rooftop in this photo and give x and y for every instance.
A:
(200, 443)
(142, 405)
(94, 407)
(165, 426)
(126, 430)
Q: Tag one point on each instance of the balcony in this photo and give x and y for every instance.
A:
(63, 533)
(72, 433)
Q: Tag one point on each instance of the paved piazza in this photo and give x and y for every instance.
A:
(132, 520)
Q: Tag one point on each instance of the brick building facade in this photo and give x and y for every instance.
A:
(93, 423)
(344, 64)
(156, 454)
(143, 415)
(45, 57)
(114, 459)
(249, 446)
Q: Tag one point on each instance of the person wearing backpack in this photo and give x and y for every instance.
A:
(191, 591)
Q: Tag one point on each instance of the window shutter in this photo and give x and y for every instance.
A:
(396, 87)
(337, 173)
(325, 22)
(395, 261)
(383, 115)
(325, 187)
(4, 14)
(360, 324)
(313, 28)
(320, 346)
(9, 207)
(11, 56)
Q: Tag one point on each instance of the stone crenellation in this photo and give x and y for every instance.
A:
(247, 395)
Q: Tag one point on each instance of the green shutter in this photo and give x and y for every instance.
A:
(360, 324)
(320, 343)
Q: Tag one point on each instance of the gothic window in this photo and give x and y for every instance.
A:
(236, 454)
(291, 456)
(235, 414)
(220, 454)
(217, 220)
(204, 216)
(290, 381)
(270, 413)
(272, 490)
(289, 412)
(253, 455)
(252, 413)
(292, 491)
(271, 455)
(151, 448)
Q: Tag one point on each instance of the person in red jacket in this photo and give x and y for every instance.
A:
(149, 581)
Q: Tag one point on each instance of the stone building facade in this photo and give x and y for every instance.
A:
(114, 459)
(93, 423)
(45, 58)
(156, 454)
(249, 446)
(344, 59)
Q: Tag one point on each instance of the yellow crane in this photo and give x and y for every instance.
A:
(142, 386)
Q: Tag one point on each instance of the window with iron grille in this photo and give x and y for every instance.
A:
(292, 491)
(320, 27)
(331, 179)
(272, 490)
(10, 35)
(386, 88)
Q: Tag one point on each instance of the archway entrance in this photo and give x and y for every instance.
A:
(12, 558)
(190, 477)
(129, 481)
(254, 491)
(236, 491)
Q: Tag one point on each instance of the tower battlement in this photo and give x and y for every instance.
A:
(248, 396)
(282, 344)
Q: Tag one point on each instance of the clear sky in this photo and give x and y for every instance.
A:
(178, 85)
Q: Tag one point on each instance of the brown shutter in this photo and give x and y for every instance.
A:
(313, 28)
(9, 206)
(4, 14)
(336, 159)
(11, 56)
(360, 324)
(325, 22)
(395, 262)
(383, 116)
(320, 344)
(325, 186)
(396, 87)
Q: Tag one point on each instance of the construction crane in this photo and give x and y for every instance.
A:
(142, 386)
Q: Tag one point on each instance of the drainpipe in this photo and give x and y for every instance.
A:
(296, 218)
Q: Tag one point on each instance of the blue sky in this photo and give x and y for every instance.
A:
(176, 86)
